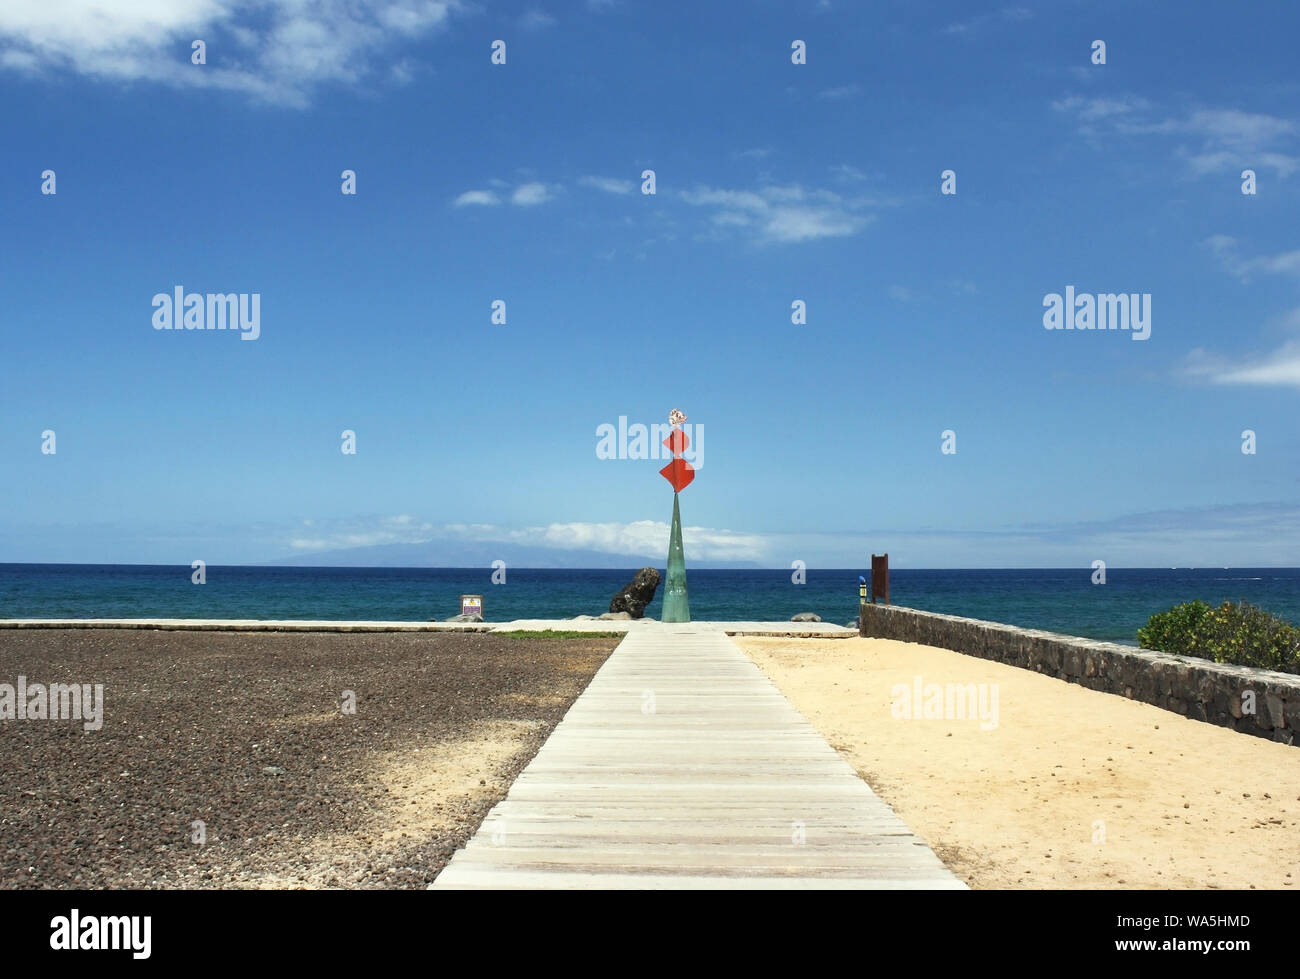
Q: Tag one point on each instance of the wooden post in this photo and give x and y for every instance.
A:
(879, 577)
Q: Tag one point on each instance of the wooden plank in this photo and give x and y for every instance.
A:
(682, 766)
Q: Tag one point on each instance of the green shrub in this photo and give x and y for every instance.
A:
(1235, 632)
(1175, 631)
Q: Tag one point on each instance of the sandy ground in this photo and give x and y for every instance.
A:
(246, 733)
(1072, 788)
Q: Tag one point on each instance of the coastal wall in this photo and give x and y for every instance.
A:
(1258, 702)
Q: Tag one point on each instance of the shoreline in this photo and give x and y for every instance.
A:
(595, 625)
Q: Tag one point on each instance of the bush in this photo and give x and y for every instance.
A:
(1238, 633)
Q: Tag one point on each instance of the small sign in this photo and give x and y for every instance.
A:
(471, 605)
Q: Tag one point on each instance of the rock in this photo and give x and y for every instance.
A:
(433, 620)
(273, 770)
(466, 618)
(617, 616)
(806, 617)
(584, 618)
(635, 596)
(853, 625)
(1276, 709)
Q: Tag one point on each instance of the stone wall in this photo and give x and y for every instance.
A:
(1258, 702)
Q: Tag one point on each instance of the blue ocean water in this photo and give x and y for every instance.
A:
(1059, 600)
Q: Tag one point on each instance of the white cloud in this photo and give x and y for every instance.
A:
(611, 185)
(530, 194)
(840, 92)
(536, 20)
(476, 197)
(282, 49)
(785, 214)
(638, 538)
(1222, 139)
(1225, 249)
(1089, 110)
(1280, 367)
(1006, 15)
(524, 195)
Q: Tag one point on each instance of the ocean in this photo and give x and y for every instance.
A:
(1058, 600)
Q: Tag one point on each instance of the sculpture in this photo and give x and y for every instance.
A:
(678, 472)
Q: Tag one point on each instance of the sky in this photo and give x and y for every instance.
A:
(918, 405)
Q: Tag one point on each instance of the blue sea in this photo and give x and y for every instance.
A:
(1059, 600)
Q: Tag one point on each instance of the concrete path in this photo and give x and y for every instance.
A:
(683, 766)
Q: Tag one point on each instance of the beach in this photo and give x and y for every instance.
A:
(227, 759)
(1061, 786)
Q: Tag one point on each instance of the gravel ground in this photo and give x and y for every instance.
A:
(246, 732)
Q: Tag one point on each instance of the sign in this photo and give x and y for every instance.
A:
(471, 605)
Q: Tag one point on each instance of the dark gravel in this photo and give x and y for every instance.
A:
(245, 731)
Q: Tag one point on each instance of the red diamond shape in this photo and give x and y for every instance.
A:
(677, 441)
(679, 472)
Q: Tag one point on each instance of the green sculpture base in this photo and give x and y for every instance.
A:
(677, 607)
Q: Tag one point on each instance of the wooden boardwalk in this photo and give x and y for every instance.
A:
(683, 766)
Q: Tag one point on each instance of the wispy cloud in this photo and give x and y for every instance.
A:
(1092, 109)
(840, 92)
(1216, 140)
(783, 214)
(485, 197)
(1226, 249)
(1243, 534)
(1007, 15)
(642, 539)
(336, 535)
(531, 194)
(536, 20)
(1279, 368)
(525, 195)
(611, 185)
(276, 51)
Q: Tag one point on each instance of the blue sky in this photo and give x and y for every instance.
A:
(775, 182)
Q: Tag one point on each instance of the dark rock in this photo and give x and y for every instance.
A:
(635, 596)
(1276, 709)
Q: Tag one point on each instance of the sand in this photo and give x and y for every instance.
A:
(1072, 789)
